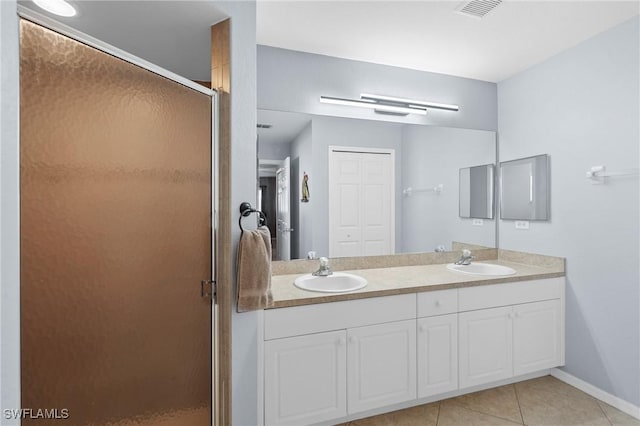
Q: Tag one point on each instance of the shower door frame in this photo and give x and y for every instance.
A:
(65, 30)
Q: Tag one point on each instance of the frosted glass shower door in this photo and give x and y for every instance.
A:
(115, 238)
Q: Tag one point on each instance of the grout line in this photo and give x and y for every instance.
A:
(515, 389)
(438, 416)
(604, 412)
(464, 407)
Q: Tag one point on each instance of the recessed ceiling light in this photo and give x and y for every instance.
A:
(57, 7)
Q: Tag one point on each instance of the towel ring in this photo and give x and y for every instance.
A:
(246, 210)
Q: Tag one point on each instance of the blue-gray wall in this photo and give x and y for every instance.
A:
(582, 108)
(246, 384)
(9, 211)
(273, 151)
(294, 81)
(432, 156)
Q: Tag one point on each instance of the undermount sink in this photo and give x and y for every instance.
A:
(482, 269)
(338, 282)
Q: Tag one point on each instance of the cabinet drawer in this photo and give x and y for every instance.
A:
(299, 320)
(440, 302)
(489, 296)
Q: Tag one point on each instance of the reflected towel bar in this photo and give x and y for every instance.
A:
(409, 191)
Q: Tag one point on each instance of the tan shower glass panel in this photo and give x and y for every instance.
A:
(115, 239)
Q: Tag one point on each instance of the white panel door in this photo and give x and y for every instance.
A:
(537, 341)
(377, 204)
(437, 355)
(345, 205)
(381, 365)
(305, 379)
(283, 210)
(361, 204)
(486, 346)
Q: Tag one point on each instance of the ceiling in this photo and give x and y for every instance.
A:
(285, 126)
(423, 35)
(175, 35)
(430, 36)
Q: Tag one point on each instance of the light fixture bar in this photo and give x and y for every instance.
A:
(374, 105)
(410, 102)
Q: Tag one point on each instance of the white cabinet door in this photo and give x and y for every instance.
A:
(537, 337)
(381, 365)
(437, 355)
(486, 346)
(305, 379)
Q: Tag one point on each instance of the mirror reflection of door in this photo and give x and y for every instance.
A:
(361, 202)
(283, 211)
(267, 194)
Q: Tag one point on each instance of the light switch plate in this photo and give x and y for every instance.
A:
(478, 222)
(522, 224)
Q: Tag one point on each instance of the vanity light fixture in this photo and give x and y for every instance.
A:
(57, 7)
(409, 102)
(382, 107)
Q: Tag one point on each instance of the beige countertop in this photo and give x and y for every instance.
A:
(406, 279)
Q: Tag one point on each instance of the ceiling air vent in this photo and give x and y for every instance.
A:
(477, 8)
(264, 126)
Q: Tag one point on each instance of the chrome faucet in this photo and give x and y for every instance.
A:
(324, 270)
(466, 258)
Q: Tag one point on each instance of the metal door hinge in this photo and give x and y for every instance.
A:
(208, 289)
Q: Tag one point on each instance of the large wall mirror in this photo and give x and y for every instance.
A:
(364, 187)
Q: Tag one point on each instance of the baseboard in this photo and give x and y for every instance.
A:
(429, 399)
(598, 393)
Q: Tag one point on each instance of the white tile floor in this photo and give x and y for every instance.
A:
(545, 401)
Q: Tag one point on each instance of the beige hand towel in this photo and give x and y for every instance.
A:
(254, 270)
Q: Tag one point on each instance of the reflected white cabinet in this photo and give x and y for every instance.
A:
(437, 355)
(305, 379)
(486, 346)
(537, 338)
(381, 365)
